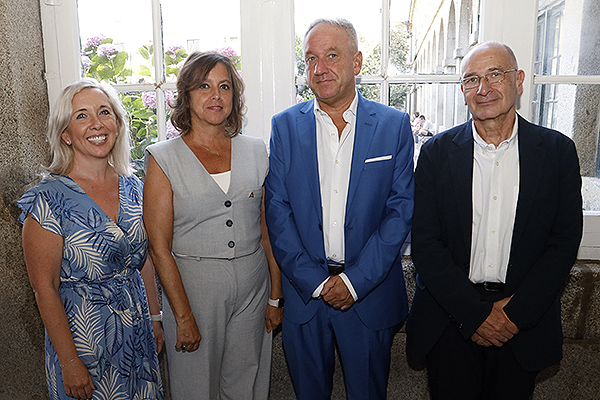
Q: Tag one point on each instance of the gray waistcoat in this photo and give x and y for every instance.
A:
(208, 222)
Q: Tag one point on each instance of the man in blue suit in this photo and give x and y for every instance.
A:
(339, 203)
(496, 229)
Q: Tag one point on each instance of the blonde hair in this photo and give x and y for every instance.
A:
(60, 116)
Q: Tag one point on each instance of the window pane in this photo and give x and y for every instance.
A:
(370, 92)
(399, 96)
(111, 41)
(193, 26)
(442, 104)
(573, 111)
(565, 44)
(441, 38)
(400, 61)
(365, 16)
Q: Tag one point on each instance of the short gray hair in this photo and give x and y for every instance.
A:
(60, 116)
(339, 23)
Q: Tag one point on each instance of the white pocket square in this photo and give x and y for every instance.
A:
(380, 158)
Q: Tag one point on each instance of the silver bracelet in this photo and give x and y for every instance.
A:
(156, 317)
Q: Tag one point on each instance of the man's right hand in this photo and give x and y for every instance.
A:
(497, 329)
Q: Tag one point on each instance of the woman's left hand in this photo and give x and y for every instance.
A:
(159, 335)
(273, 316)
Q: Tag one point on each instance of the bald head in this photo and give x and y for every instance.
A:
(497, 48)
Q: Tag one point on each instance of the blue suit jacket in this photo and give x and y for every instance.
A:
(378, 211)
(546, 235)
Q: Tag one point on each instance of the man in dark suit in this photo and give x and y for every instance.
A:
(339, 202)
(497, 225)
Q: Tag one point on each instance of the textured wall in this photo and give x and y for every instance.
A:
(23, 109)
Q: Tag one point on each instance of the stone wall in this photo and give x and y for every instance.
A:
(23, 110)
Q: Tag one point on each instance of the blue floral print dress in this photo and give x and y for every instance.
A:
(101, 287)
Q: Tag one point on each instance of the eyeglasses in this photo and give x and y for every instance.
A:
(473, 82)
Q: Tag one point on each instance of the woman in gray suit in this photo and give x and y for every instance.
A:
(208, 240)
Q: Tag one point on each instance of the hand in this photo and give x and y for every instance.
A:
(188, 335)
(336, 293)
(273, 316)
(497, 329)
(77, 380)
(159, 335)
(480, 341)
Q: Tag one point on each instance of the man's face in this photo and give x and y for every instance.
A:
(491, 101)
(331, 64)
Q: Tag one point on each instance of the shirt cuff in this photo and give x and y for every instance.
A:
(317, 293)
(349, 285)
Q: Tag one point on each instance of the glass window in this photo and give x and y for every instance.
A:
(566, 96)
(120, 49)
(110, 40)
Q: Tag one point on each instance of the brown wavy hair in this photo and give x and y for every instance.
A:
(194, 71)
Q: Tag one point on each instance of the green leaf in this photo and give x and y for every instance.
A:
(145, 71)
(144, 52)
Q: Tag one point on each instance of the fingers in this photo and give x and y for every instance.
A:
(480, 340)
(337, 295)
(188, 336)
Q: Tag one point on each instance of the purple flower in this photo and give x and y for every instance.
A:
(172, 51)
(172, 132)
(169, 97)
(227, 51)
(85, 61)
(149, 99)
(299, 99)
(106, 49)
(95, 41)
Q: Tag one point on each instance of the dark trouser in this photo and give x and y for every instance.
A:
(459, 369)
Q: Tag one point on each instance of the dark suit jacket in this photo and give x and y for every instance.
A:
(546, 236)
(378, 211)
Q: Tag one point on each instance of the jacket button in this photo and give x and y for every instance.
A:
(227, 203)
(229, 223)
(231, 244)
(321, 261)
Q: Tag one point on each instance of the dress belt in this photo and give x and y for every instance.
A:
(490, 286)
(335, 268)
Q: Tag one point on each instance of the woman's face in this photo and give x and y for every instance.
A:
(212, 102)
(93, 127)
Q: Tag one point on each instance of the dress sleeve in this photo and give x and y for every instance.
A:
(35, 202)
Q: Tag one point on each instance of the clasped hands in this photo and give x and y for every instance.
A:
(336, 293)
(497, 329)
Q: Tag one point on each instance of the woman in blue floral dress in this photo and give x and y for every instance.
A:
(85, 244)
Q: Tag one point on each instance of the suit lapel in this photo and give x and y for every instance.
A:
(531, 162)
(364, 132)
(307, 141)
(461, 172)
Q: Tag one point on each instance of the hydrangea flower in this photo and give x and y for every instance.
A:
(172, 49)
(172, 132)
(149, 99)
(94, 41)
(85, 61)
(169, 97)
(106, 49)
(227, 51)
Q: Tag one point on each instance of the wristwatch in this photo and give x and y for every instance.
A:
(276, 303)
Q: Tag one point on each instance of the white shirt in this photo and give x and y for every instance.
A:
(223, 179)
(334, 156)
(495, 195)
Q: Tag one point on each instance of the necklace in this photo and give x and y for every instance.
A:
(218, 154)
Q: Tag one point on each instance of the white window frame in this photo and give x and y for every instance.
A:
(268, 58)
